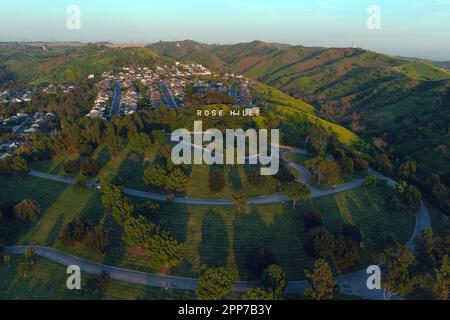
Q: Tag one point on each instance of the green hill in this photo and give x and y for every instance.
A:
(56, 65)
(189, 51)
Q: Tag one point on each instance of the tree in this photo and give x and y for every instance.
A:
(240, 200)
(18, 164)
(213, 284)
(75, 231)
(258, 261)
(85, 150)
(155, 177)
(216, 181)
(98, 239)
(258, 294)
(295, 191)
(27, 210)
(441, 284)
(90, 168)
(318, 139)
(407, 169)
(321, 281)
(177, 181)
(274, 280)
(159, 137)
(113, 141)
(113, 199)
(383, 163)
(406, 197)
(312, 219)
(347, 165)
(140, 143)
(325, 171)
(397, 278)
(361, 164)
(5, 168)
(424, 251)
(72, 166)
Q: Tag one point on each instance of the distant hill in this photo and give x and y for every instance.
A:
(189, 51)
(70, 64)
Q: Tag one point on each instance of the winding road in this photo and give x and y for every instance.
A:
(351, 284)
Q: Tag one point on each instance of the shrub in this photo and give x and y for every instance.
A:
(27, 210)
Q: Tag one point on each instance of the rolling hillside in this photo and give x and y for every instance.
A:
(67, 64)
(404, 101)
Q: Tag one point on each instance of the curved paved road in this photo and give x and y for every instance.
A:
(352, 284)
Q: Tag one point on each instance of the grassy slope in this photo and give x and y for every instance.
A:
(188, 51)
(215, 236)
(298, 113)
(48, 282)
(35, 66)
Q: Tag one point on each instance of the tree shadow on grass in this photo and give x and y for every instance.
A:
(234, 179)
(53, 235)
(213, 249)
(250, 232)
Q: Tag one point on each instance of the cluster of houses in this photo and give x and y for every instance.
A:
(21, 125)
(160, 85)
(7, 97)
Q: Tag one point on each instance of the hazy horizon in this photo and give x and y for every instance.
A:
(406, 28)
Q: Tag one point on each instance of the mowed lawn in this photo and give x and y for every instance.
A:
(47, 281)
(131, 169)
(216, 236)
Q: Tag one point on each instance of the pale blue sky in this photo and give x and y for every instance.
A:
(419, 28)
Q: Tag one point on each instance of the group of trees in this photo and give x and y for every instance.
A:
(138, 231)
(88, 167)
(174, 180)
(13, 164)
(165, 251)
(405, 198)
(95, 237)
(343, 250)
(322, 284)
(169, 177)
(426, 272)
